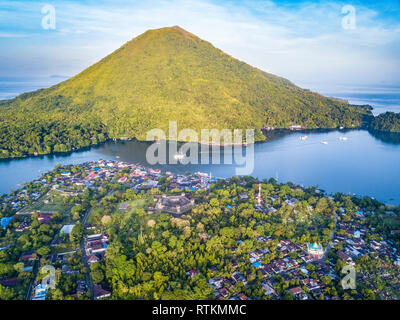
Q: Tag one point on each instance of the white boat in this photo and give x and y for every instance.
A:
(202, 174)
(324, 142)
(304, 138)
(343, 138)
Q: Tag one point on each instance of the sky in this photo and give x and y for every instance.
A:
(315, 44)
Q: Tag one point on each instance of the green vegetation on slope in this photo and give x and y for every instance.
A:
(389, 122)
(163, 75)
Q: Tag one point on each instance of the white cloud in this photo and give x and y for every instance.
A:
(12, 35)
(304, 43)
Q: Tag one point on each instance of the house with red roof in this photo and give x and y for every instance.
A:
(11, 282)
(296, 291)
(100, 293)
(345, 257)
(92, 259)
(30, 256)
(192, 273)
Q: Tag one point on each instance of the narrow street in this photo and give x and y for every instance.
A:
(84, 257)
(30, 288)
(328, 248)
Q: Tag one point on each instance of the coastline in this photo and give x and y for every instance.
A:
(273, 158)
(266, 133)
(322, 191)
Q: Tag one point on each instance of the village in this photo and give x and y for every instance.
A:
(55, 205)
(45, 203)
(306, 265)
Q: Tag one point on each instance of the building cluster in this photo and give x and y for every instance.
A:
(294, 260)
(355, 240)
(175, 205)
(19, 199)
(28, 260)
(134, 176)
(95, 247)
(290, 265)
(69, 183)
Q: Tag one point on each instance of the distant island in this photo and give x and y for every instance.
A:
(163, 75)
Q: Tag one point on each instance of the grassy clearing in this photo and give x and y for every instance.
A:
(134, 205)
(52, 202)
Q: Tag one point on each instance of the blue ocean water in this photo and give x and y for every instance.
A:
(12, 87)
(382, 98)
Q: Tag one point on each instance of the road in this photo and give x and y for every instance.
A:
(84, 256)
(86, 217)
(30, 288)
(328, 248)
(82, 246)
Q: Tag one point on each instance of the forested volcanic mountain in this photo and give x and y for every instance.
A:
(162, 75)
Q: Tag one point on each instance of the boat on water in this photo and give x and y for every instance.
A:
(343, 138)
(304, 138)
(324, 142)
(118, 157)
(202, 174)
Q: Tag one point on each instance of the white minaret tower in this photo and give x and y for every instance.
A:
(259, 195)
